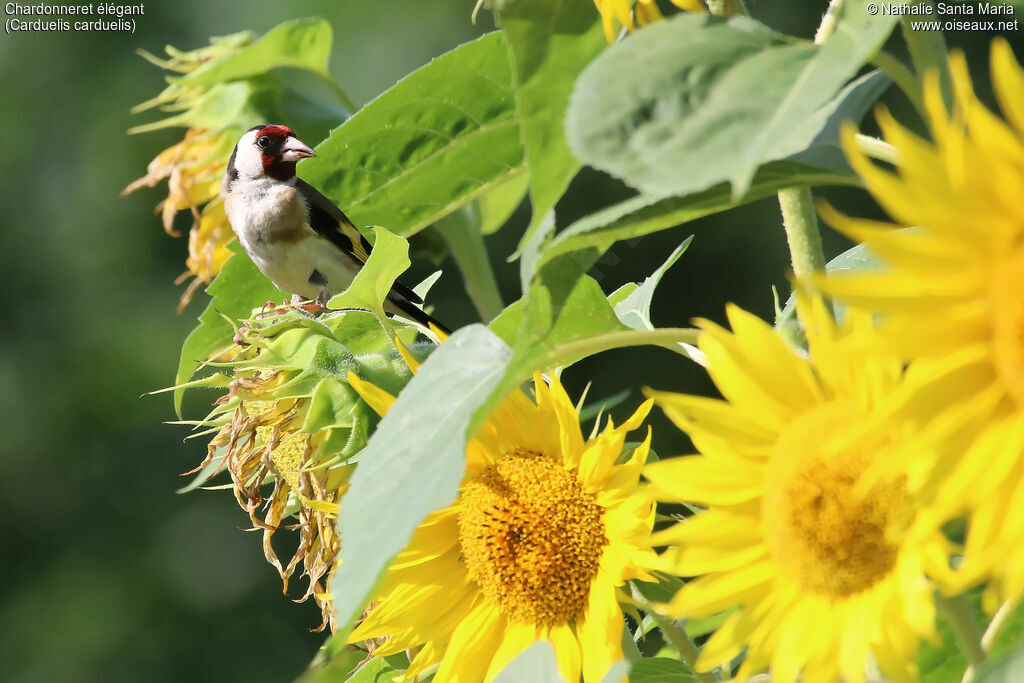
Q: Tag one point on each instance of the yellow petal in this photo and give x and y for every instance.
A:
(516, 638)
(600, 632)
(715, 593)
(567, 652)
(698, 479)
(378, 399)
(473, 644)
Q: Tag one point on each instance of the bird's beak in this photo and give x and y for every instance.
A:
(294, 149)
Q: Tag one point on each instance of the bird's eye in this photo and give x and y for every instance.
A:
(263, 141)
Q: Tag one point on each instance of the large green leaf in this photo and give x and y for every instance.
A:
(644, 214)
(660, 670)
(634, 310)
(1006, 669)
(376, 670)
(535, 664)
(237, 290)
(549, 43)
(276, 96)
(416, 456)
(804, 110)
(389, 258)
(301, 43)
(696, 100)
(850, 104)
(280, 77)
(440, 137)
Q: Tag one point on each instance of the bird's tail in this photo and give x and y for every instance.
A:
(411, 310)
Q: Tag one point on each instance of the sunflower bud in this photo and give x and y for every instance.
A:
(290, 426)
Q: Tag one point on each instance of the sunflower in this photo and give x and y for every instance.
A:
(546, 529)
(193, 169)
(822, 567)
(646, 12)
(287, 428)
(949, 297)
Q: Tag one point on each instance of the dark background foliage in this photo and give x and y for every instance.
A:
(108, 574)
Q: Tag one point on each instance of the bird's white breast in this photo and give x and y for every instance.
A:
(270, 219)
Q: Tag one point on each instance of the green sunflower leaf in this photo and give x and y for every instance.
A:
(301, 43)
(1006, 669)
(388, 259)
(635, 309)
(376, 670)
(696, 100)
(235, 292)
(535, 664)
(550, 44)
(442, 136)
(332, 667)
(645, 214)
(660, 670)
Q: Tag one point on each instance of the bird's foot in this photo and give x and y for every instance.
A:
(317, 305)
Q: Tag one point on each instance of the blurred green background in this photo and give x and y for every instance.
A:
(109, 575)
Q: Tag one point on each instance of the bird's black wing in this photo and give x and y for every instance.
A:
(328, 221)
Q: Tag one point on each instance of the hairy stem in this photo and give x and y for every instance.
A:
(965, 629)
(462, 233)
(828, 22)
(995, 627)
(797, 203)
(802, 233)
(342, 95)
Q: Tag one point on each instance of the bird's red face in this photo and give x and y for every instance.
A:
(279, 150)
(266, 151)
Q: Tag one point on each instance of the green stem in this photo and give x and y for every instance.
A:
(462, 234)
(666, 337)
(801, 225)
(995, 627)
(342, 95)
(928, 50)
(828, 22)
(674, 634)
(904, 79)
(965, 628)
(797, 203)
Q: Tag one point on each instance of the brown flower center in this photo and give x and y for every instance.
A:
(835, 536)
(531, 538)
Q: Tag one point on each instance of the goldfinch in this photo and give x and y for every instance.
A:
(294, 234)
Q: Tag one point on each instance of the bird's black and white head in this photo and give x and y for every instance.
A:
(266, 151)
